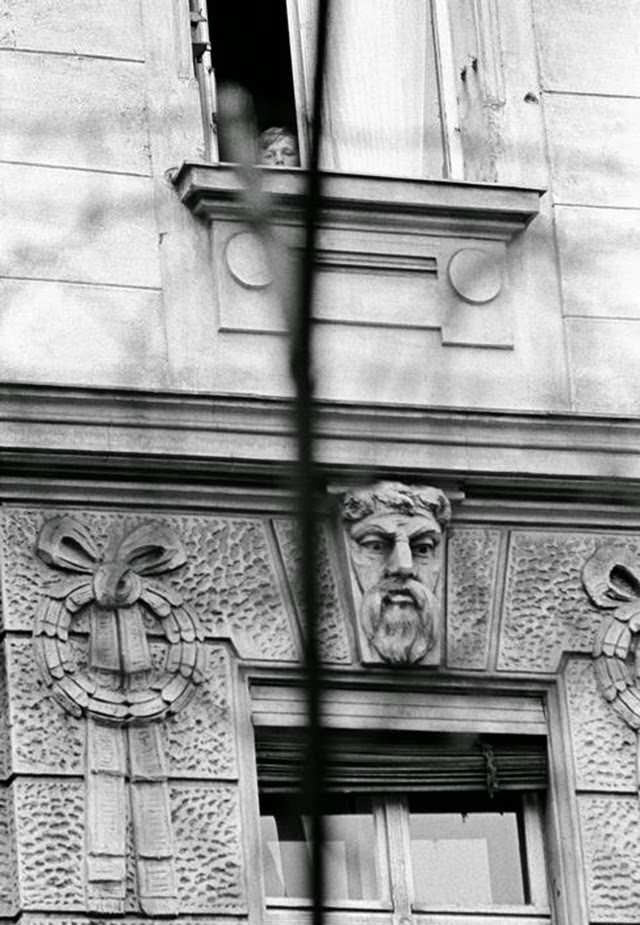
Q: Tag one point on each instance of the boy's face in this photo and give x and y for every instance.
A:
(282, 152)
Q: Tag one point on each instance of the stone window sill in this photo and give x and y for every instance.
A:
(477, 209)
(410, 255)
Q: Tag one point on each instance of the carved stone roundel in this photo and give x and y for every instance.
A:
(247, 260)
(120, 684)
(476, 275)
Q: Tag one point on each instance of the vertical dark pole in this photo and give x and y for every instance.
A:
(301, 360)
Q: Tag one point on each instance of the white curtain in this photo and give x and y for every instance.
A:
(382, 114)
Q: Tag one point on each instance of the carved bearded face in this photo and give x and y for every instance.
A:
(397, 562)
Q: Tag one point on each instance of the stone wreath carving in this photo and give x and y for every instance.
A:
(120, 692)
(611, 578)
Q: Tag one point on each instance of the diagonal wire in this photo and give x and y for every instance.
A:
(301, 370)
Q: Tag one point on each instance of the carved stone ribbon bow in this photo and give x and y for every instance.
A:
(611, 578)
(120, 693)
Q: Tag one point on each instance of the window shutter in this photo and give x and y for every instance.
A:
(365, 762)
(382, 108)
(480, 88)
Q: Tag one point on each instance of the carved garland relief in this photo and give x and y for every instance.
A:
(611, 578)
(120, 693)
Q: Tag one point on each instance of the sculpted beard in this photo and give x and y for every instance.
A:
(399, 617)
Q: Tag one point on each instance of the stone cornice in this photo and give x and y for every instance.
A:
(446, 207)
(200, 435)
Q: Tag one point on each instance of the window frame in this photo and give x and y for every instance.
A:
(270, 700)
(444, 67)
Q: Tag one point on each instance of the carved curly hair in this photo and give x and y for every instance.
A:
(408, 499)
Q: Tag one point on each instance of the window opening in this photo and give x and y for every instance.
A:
(483, 836)
(251, 48)
(411, 806)
(350, 858)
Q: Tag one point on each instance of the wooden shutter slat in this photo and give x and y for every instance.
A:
(390, 762)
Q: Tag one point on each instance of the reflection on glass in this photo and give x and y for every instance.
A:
(469, 858)
(349, 849)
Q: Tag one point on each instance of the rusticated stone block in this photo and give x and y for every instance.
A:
(604, 746)
(8, 865)
(200, 740)
(5, 743)
(546, 609)
(611, 840)
(206, 825)
(50, 843)
(229, 580)
(472, 562)
(332, 633)
(45, 738)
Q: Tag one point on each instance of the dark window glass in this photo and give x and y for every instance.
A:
(250, 47)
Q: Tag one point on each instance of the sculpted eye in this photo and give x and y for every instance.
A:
(422, 547)
(374, 544)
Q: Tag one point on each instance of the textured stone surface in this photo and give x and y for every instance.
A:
(229, 580)
(5, 744)
(199, 741)
(604, 747)
(206, 827)
(50, 836)
(8, 869)
(472, 560)
(611, 842)
(332, 632)
(45, 739)
(546, 608)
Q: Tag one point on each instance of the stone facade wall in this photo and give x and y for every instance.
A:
(108, 280)
(591, 99)
(516, 610)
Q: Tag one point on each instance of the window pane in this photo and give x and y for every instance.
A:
(467, 858)
(349, 849)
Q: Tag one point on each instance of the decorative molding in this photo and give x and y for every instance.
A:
(120, 688)
(48, 431)
(394, 538)
(611, 577)
(476, 275)
(447, 207)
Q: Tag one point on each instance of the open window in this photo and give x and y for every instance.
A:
(390, 106)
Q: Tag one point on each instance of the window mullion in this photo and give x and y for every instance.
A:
(534, 842)
(397, 812)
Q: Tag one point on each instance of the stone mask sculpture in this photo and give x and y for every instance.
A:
(394, 537)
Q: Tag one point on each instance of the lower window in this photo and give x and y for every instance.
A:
(414, 823)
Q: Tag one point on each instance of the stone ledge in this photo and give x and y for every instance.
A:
(449, 207)
(116, 433)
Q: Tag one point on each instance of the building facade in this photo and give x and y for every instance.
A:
(477, 431)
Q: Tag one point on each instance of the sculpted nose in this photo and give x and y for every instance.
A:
(400, 560)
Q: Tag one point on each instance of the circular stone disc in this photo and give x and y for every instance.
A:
(476, 275)
(247, 260)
